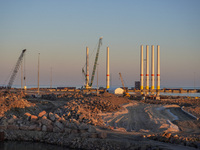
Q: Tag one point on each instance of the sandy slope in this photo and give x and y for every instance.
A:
(145, 118)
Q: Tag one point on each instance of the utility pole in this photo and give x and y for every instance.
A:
(38, 73)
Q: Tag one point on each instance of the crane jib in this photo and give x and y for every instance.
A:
(95, 62)
(12, 78)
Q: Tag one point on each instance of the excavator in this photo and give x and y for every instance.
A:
(95, 63)
(125, 94)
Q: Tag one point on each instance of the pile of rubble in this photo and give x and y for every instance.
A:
(86, 110)
(175, 139)
(12, 101)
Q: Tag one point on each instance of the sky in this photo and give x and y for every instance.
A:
(60, 30)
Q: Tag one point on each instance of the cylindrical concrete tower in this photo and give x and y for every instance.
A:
(158, 67)
(147, 67)
(141, 68)
(108, 70)
(152, 67)
(87, 68)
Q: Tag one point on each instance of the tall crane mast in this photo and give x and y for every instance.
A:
(12, 78)
(95, 62)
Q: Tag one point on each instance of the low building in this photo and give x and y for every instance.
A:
(137, 85)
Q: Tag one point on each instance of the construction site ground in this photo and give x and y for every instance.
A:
(147, 122)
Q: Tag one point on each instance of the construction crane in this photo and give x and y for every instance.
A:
(95, 63)
(126, 94)
(12, 78)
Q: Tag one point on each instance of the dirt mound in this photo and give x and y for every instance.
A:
(114, 99)
(13, 101)
(86, 109)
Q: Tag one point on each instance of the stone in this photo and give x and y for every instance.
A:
(43, 113)
(34, 118)
(44, 128)
(2, 136)
(45, 121)
(52, 116)
(83, 126)
(49, 128)
(56, 129)
(32, 127)
(14, 117)
(59, 125)
(23, 127)
(168, 135)
(3, 127)
(38, 128)
(68, 114)
(12, 127)
(27, 114)
(11, 121)
(74, 131)
(93, 135)
(91, 129)
(72, 126)
(67, 130)
(57, 116)
(82, 131)
(102, 135)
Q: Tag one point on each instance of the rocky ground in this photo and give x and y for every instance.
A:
(88, 121)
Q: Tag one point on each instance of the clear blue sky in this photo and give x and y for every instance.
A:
(61, 29)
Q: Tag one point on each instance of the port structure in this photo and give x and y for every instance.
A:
(86, 73)
(14, 73)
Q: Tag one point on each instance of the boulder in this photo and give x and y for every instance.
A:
(27, 116)
(67, 130)
(3, 127)
(45, 121)
(2, 136)
(56, 129)
(102, 135)
(41, 114)
(57, 116)
(32, 127)
(59, 125)
(49, 128)
(23, 127)
(11, 121)
(34, 118)
(83, 126)
(52, 116)
(91, 129)
(12, 127)
(44, 128)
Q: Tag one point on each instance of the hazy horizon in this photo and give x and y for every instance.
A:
(61, 30)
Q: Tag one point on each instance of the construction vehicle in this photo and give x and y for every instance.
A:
(14, 73)
(125, 94)
(95, 64)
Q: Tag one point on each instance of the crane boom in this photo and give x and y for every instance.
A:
(120, 75)
(95, 62)
(12, 78)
